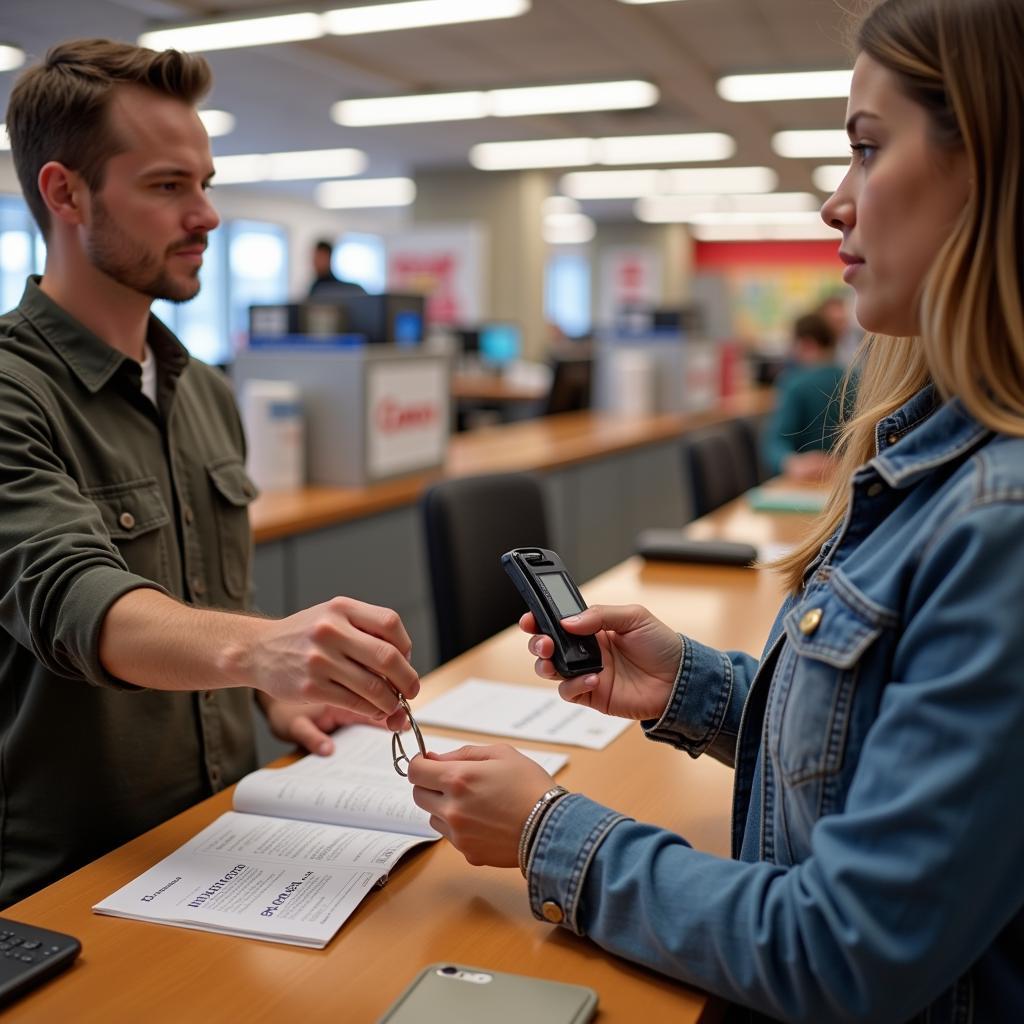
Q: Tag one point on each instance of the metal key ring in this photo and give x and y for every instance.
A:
(398, 754)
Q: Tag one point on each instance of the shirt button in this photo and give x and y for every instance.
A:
(552, 912)
(189, 515)
(198, 586)
(127, 520)
(810, 622)
(892, 438)
(875, 490)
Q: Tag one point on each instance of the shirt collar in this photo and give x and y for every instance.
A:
(922, 435)
(88, 357)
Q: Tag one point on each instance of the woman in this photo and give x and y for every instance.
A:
(879, 840)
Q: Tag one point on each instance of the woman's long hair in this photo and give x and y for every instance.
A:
(960, 60)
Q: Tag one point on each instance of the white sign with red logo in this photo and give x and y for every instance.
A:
(630, 277)
(407, 416)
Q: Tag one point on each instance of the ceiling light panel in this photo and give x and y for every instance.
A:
(568, 229)
(11, 57)
(666, 149)
(230, 35)
(217, 122)
(365, 193)
(682, 209)
(291, 166)
(802, 144)
(720, 179)
(829, 177)
(418, 14)
(760, 231)
(463, 106)
(445, 106)
(797, 85)
(687, 181)
(508, 156)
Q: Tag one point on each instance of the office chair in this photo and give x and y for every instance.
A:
(753, 429)
(570, 385)
(718, 465)
(469, 523)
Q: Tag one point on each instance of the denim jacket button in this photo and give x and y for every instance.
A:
(810, 622)
(875, 490)
(552, 912)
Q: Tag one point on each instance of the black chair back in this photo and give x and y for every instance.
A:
(570, 386)
(718, 464)
(469, 523)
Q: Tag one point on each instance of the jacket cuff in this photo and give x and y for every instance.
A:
(699, 700)
(561, 856)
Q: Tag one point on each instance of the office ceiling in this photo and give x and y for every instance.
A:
(281, 95)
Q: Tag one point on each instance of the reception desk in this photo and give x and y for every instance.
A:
(435, 907)
(605, 478)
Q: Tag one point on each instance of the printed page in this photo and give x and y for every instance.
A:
(258, 877)
(357, 785)
(522, 712)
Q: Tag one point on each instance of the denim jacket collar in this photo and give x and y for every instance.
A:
(923, 435)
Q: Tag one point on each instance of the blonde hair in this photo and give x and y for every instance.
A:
(959, 59)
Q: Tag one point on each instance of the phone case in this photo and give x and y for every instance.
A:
(445, 993)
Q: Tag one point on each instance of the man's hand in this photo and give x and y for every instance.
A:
(344, 653)
(310, 725)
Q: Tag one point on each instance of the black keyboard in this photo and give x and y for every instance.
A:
(30, 955)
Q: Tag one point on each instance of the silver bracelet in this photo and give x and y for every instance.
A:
(533, 820)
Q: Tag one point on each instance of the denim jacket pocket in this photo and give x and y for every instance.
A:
(828, 632)
(235, 493)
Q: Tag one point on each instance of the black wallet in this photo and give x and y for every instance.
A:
(673, 546)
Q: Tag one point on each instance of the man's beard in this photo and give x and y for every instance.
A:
(131, 264)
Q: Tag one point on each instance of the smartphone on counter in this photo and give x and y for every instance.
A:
(552, 595)
(447, 993)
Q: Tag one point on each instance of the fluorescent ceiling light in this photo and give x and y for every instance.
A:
(758, 231)
(217, 122)
(687, 181)
(559, 204)
(568, 229)
(229, 35)
(444, 106)
(367, 192)
(795, 85)
(570, 99)
(347, 21)
(5, 139)
(667, 149)
(811, 143)
(828, 177)
(699, 180)
(507, 156)
(291, 166)
(461, 106)
(681, 209)
(11, 57)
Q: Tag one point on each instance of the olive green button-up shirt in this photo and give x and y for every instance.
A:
(101, 492)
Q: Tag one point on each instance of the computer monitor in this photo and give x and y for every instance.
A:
(501, 342)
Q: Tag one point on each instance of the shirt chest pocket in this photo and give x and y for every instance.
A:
(829, 635)
(233, 493)
(134, 514)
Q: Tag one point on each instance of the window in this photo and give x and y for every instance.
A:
(360, 258)
(567, 292)
(257, 272)
(22, 251)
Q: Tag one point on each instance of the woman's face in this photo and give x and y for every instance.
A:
(897, 204)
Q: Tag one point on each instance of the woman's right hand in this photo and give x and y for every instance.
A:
(640, 654)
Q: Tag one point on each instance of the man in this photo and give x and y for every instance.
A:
(326, 287)
(123, 687)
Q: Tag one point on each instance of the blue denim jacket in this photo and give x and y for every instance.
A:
(878, 827)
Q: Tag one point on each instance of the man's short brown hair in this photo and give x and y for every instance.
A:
(58, 108)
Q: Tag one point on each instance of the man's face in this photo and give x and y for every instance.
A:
(149, 221)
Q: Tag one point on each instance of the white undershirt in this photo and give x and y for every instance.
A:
(149, 375)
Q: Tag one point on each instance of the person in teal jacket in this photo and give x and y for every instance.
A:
(805, 425)
(878, 841)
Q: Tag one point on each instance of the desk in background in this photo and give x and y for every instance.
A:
(436, 907)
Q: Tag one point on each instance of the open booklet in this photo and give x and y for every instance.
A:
(302, 847)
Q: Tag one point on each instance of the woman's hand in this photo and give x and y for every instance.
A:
(479, 798)
(640, 654)
(310, 725)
